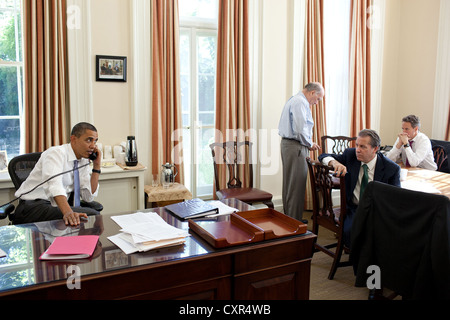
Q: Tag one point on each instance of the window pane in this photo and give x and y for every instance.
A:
(9, 97)
(206, 79)
(336, 53)
(10, 137)
(10, 22)
(205, 9)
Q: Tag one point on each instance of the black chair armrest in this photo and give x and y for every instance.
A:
(94, 205)
(6, 210)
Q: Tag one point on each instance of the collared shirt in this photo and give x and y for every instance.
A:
(420, 154)
(296, 120)
(371, 170)
(53, 161)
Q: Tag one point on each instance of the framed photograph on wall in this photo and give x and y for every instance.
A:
(111, 68)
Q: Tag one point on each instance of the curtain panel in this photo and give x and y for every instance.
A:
(45, 74)
(233, 79)
(166, 99)
(314, 72)
(360, 62)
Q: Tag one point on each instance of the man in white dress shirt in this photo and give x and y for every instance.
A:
(50, 201)
(412, 146)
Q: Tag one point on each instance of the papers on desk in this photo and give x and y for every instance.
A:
(144, 231)
(223, 208)
(421, 186)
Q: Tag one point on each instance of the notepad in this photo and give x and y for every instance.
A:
(191, 209)
(75, 247)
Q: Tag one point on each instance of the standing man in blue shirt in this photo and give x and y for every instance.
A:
(295, 129)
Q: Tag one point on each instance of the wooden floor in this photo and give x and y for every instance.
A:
(342, 287)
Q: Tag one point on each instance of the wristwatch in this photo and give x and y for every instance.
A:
(96, 171)
(406, 145)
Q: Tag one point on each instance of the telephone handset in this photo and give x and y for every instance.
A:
(93, 156)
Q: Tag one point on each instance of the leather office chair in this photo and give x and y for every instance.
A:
(19, 169)
(236, 156)
(441, 159)
(325, 214)
(406, 234)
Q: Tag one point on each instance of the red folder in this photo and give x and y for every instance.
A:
(74, 247)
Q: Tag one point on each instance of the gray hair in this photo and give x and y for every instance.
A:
(375, 140)
(414, 120)
(80, 128)
(314, 86)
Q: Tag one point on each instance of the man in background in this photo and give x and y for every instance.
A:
(360, 166)
(412, 146)
(295, 128)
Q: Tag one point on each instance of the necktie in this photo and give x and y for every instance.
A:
(410, 145)
(364, 180)
(76, 185)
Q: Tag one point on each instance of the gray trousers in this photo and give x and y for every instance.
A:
(295, 174)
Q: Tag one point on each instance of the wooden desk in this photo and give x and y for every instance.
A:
(428, 181)
(274, 269)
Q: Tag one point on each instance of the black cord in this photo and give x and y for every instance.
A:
(40, 184)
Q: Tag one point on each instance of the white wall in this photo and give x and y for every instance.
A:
(409, 71)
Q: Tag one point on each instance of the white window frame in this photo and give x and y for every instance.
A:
(18, 65)
(195, 28)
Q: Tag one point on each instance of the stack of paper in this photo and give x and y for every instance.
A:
(143, 231)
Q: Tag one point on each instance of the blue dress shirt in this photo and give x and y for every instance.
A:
(296, 120)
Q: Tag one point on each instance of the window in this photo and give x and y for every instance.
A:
(336, 60)
(11, 76)
(198, 44)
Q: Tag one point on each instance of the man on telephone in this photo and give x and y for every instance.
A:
(61, 171)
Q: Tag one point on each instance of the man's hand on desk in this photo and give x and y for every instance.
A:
(339, 168)
(73, 218)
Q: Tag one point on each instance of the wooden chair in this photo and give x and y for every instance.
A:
(441, 159)
(340, 143)
(237, 156)
(324, 214)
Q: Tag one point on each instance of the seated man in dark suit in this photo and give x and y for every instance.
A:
(361, 165)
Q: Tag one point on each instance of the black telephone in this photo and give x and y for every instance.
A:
(93, 156)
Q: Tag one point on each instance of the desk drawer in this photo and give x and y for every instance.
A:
(270, 255)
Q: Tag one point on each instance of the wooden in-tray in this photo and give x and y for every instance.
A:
(232, 232)
(274, 224)
(247, 227)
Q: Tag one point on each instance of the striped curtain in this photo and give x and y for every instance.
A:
(166, 99)
(314, 72)
(233, 78)
(360, 61)
(46, 100)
